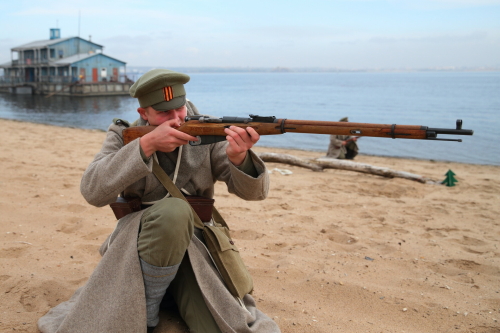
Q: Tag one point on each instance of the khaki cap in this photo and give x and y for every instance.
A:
(162, 89)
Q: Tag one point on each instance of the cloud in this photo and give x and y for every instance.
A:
(133, 13)
(473, 36)
(468, 2)
(299, 32)
(445, 4)
(423, 3)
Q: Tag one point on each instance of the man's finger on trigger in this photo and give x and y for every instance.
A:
(185, 136)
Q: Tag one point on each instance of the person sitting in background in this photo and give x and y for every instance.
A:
(342, 146)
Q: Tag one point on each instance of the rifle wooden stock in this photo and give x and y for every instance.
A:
(132, 133)
(280, 126)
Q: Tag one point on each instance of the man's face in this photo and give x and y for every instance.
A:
(156, 118)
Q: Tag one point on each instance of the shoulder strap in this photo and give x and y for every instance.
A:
(174, 191)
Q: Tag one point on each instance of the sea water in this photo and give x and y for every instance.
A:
(433, 99)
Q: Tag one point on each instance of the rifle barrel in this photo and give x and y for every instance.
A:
(451, 131)
(355, 129)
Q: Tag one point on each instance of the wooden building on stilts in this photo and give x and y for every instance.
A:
(64, 66)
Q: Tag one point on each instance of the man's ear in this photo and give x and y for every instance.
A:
(143, 114)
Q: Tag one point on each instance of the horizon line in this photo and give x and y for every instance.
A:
(280, 69)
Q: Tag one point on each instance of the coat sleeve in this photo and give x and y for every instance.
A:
(113, 169)
(335, 147)
(239, 183)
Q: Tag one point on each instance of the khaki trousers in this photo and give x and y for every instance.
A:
(166, 231)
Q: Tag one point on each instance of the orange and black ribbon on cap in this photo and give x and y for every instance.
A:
(168, 93)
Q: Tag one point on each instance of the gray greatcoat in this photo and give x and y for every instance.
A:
(336, 149)
(113, 299)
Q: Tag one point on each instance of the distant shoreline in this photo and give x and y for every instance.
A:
(141, 69)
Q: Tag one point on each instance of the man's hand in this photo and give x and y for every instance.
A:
(240, 141)
(354, 138)
(165, 138)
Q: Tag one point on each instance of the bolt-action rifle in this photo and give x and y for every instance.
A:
(211, 129)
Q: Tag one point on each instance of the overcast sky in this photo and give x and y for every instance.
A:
(345, 34)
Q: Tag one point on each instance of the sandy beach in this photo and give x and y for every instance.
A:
(331, 251)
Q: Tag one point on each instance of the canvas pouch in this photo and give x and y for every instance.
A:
(228, 261)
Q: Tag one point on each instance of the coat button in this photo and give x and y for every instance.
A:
(231, 242)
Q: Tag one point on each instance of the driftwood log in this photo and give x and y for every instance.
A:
(289, 159)
(318, 164)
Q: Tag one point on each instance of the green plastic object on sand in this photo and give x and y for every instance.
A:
(450, 179)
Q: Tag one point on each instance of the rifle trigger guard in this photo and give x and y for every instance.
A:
(207, 140)
(196, 143)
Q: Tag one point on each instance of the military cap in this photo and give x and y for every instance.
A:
(162, 89)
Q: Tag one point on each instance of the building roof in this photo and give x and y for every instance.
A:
(72, 59)
(79, 57)
(45, 43)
